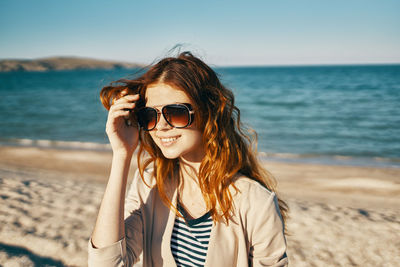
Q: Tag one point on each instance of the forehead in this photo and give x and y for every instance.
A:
(163, 94)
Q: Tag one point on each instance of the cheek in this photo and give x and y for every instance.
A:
(195, 138)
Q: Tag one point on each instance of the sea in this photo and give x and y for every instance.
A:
(342, 115)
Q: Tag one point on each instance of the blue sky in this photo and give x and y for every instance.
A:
(280, 32)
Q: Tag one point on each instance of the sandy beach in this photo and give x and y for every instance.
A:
(340, 215)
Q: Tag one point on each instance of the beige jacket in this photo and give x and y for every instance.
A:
(253, 237)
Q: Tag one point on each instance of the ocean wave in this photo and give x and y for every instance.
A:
(55, 144)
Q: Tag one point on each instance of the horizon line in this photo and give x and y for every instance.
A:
(322, 64)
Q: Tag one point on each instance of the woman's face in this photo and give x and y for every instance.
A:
(185, 143)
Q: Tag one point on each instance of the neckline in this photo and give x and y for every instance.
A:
(189, 220)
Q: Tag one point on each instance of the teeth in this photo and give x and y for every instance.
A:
(170, 139)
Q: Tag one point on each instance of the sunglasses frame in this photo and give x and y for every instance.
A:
(187, 106)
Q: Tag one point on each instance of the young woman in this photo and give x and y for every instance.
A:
(200, 197)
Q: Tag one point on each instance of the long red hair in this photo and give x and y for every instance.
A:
(230, 147)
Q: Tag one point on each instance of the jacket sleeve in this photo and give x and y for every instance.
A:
(128, 250)
(265, 229)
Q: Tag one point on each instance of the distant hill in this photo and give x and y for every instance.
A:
(61, 63)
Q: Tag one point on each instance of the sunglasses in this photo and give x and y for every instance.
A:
(176, 115)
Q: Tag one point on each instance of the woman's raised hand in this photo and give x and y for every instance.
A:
(122, 133)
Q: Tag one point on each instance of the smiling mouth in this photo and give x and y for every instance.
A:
(167, 141)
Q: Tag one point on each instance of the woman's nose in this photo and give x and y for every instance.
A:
(162, 123)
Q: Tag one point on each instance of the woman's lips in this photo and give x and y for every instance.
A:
(168, 141)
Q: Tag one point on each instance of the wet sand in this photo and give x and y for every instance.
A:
(340, 215)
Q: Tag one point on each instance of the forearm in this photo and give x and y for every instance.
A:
(109, 226)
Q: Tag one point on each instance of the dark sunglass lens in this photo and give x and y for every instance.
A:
(147, 118)
(176, 115)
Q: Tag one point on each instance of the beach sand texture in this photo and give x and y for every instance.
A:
(340, 216)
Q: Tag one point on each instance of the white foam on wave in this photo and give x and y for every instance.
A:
(279, 155)
(58, 144)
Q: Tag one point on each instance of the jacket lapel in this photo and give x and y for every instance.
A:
(166, 244)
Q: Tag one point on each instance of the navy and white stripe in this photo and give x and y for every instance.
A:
(189, 240)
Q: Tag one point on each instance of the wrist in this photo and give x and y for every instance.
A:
(123, 154)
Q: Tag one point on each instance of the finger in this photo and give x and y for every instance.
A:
(123, 92)
(119, 113)
(127, 98)
(122, 114)
(122, 106)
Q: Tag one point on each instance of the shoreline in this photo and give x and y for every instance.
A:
(336, 160)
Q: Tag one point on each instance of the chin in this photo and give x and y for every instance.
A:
(170, 156)
(170, 153)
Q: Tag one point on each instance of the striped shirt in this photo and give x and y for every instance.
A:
(189, 240)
